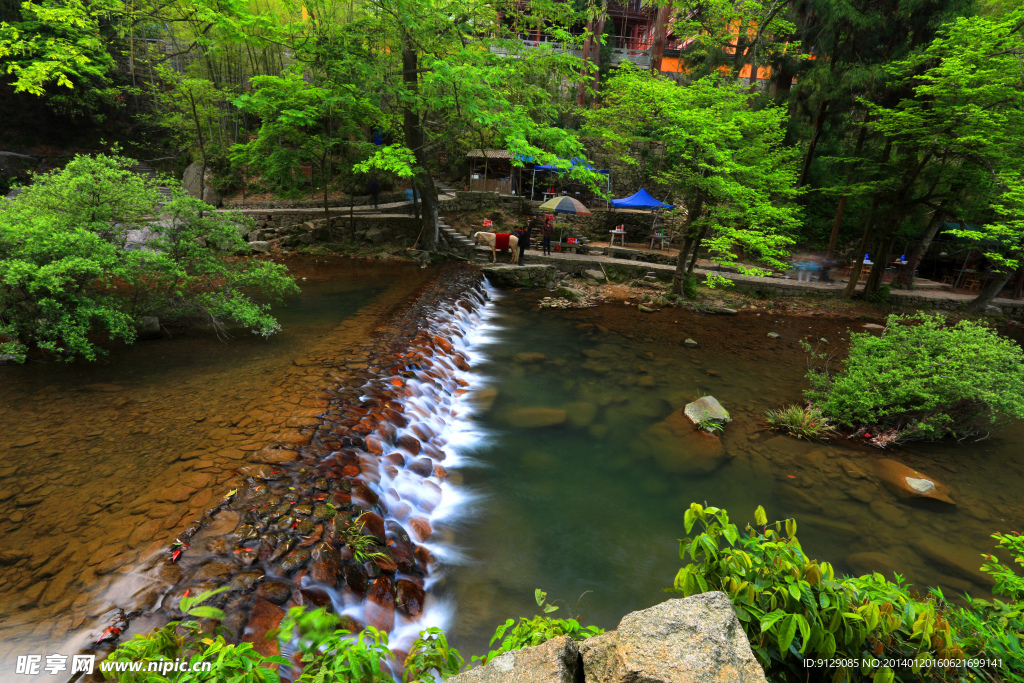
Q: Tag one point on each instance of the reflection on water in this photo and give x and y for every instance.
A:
(591, 500)
(101, 463)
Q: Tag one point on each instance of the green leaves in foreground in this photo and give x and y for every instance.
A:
(795, 608)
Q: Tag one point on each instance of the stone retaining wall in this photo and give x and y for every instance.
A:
(290, 228)
(385, 198)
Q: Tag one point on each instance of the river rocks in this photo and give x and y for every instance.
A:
(706, 409)
(529, 358)
(25, 441)
(274, 591)
(326, 564)
(214, 571)
(678, 447)
(483, 399)
(356, 577)
(246, 581)
(595, 275)
(962, 561)
(774, 335)
(556, 661)
(910, 483)
(265, 617)
(380, 604)
(690, 343)
(573, 295)
(409, 598)
(535, 417)
(851, 468)
(294, 560)
(260, 246)
(274, 456)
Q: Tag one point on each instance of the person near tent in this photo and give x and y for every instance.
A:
(547, 231)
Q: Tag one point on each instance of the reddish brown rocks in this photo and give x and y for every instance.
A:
(909, 483)
(380, 604)
(409, 598)
(265, 617)
(326, 564)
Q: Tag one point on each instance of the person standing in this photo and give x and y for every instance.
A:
(524, 240)
(374, 189)
(547, 231)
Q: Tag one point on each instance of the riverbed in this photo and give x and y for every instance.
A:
(102, 464)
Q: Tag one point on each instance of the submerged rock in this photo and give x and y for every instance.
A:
(536, 417)
(909, 483)
(678, 447)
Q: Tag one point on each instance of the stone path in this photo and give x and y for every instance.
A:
(577, 263)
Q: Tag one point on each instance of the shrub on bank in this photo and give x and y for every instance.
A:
(69, 271)
(803, 422)
(924, 379)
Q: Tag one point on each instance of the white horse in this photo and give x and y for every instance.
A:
(489, 238)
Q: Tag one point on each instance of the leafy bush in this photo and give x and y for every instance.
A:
(803, 422)
(882, 296)
(924, 379)
(68, 270)
(794, 608)
(539, 629)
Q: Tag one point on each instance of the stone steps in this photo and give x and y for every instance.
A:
(148, 172)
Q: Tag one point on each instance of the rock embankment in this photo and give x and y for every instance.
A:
(692, 640)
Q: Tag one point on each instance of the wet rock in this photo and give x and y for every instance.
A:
(529, 357)
(581, 414)
(690, 343)
(409, 598)
(706, 409)
(536, 417)
(274, 591)
(890, 514)
(147, 327)
(356, 577)
(851, 468)
(380, 604)
(12, 556)
(313, 597)
(264, 618)
(962, 561)
(326, 564)
(556, 661)
(420, 528)
(272, 456)
(214, 571)
(422, 466)
(25, 441)
(774, 335)
(246, 581)
(373, 525)
(595, 275)
(910, 483)
(294, 560)
(409, 443)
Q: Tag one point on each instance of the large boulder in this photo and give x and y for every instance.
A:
(692, 640)
(556, 661)
(909, 483)
(678, 447)
(190, 181)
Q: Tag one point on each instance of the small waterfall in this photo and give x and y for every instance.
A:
(388, 437)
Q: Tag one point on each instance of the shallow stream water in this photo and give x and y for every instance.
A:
(590, 509)
(101, 464)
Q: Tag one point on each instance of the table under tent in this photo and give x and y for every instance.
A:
(641, 201)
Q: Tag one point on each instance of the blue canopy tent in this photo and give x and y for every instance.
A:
(640, 200)
(573, 162)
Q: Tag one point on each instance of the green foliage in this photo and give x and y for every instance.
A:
(689, 290)
(803, 422)
(187, 641)
(924, 379)
(66, 272)
(793, 607)
(882, 296)
(540, 629)
(710, 426)
(431, 653)
(337, 654)
(364, 548)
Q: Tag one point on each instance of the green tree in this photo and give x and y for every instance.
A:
(725, 162)
(68, 269)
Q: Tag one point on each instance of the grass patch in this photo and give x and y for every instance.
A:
(802, 422)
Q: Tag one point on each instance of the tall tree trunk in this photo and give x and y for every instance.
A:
(693, 213)
(414, 141)
(874, 282)
(598, 40)
(994, 286)
(696, 250)
(660, 36)
(581, 94)
(819, 122)
(858, 262)
(906, 275)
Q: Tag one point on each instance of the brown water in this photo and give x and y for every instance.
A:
(593, 505)
(101, 464)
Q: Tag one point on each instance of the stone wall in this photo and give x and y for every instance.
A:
(385, 198)
(693, 640)
(286, 228)
(473, 201)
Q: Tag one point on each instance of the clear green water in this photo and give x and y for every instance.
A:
(591, 508)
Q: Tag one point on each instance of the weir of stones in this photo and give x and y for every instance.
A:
(379, 455)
